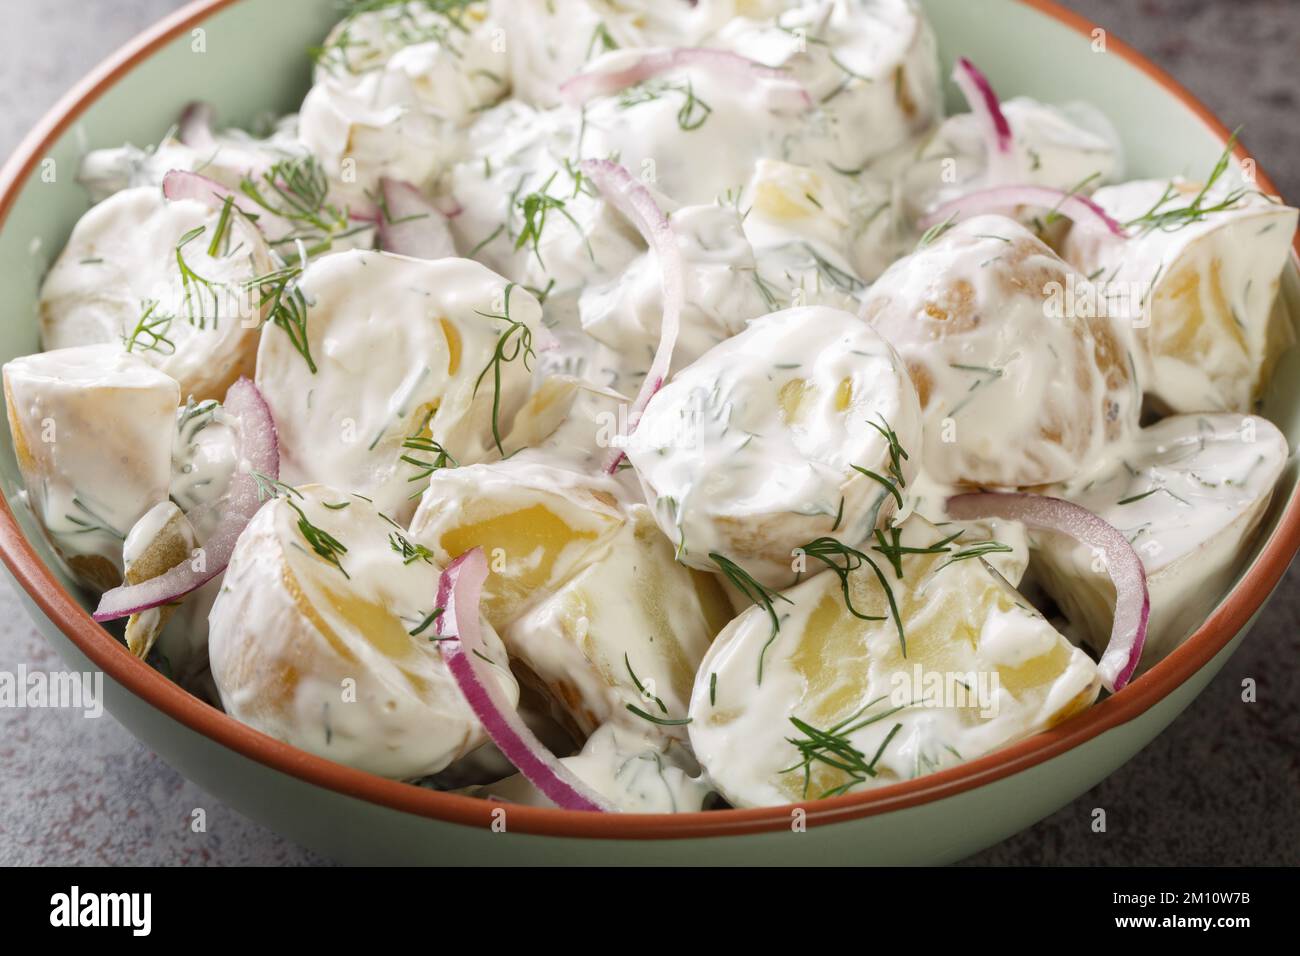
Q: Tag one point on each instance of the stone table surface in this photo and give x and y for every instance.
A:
(1220, 786)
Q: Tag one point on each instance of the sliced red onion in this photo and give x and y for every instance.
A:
(1081, 209)
(194, 128)
(634, 201)
(461, 643)
(983, 102)
(1132, 602)
(410, 224)
(723, 63)
(258, 452)
(182, 184)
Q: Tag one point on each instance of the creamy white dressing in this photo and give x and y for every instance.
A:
(1200, 296)
(751, 451)
(319, 654)
(175, 294)
(836, 377)
(1187, 492)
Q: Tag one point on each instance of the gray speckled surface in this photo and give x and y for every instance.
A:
(1221, 786)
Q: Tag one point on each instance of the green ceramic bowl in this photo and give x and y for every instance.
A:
(243, 56)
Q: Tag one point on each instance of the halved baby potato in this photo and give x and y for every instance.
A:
(816, 700)
(536, 523)
(626, 631)
(167, 281)
(322, 637)
(1016, 388)
(1200, 293)
(92, 429)
(1189, 497)
(396, 351)
(766, 442)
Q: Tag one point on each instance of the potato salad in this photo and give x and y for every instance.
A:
(636, 406)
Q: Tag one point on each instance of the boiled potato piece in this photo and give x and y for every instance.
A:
(1189, 497)
(536, 523)
(159, 541)
(404, 350)
(92, 431)
(979, 669)
(321, 638)
(807, 237)
(1014, 393)
(550, 42)
(635, 774)
(167, 281)
(866, 66)
(1060, 147)
(754, 450)
(722, 291)
(527, 210)
(632, 616)
(392, 86)
(1200, 294)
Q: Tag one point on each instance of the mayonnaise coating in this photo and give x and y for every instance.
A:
(757, 448)
(629, 661)
(636, 774)
(974, 668)
(328, 653)
(1188, 494)
(1198, 293)
(167, 281)
(92, 432)
(1017, 389)
(536, 523)
(404, 349)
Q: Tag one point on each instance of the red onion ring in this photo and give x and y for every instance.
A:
(258, 451)
(1081, 209)
(410, 224)
(600, 82)
(459, 589)
(182, 184)
(983, 102)
(634, 201)
(1132, 602)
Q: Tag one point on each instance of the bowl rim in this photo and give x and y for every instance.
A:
(107, 653)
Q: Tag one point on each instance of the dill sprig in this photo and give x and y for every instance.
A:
(1178, 217)
(514, 341)
(977, 550)
(693, 112)
(194, 285)
(935, 231)
(897, 455)
(268, 487)
(894, 549)
(150, 332)
(424, 624)
(833, 747)
(533, 209)
(286, 307)
(321, 541)
(757, 592)
(410, 552)
(640, 688)
(842, 561)
(296, 190)
(662, 721)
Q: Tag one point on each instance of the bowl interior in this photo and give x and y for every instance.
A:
(248, 58)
